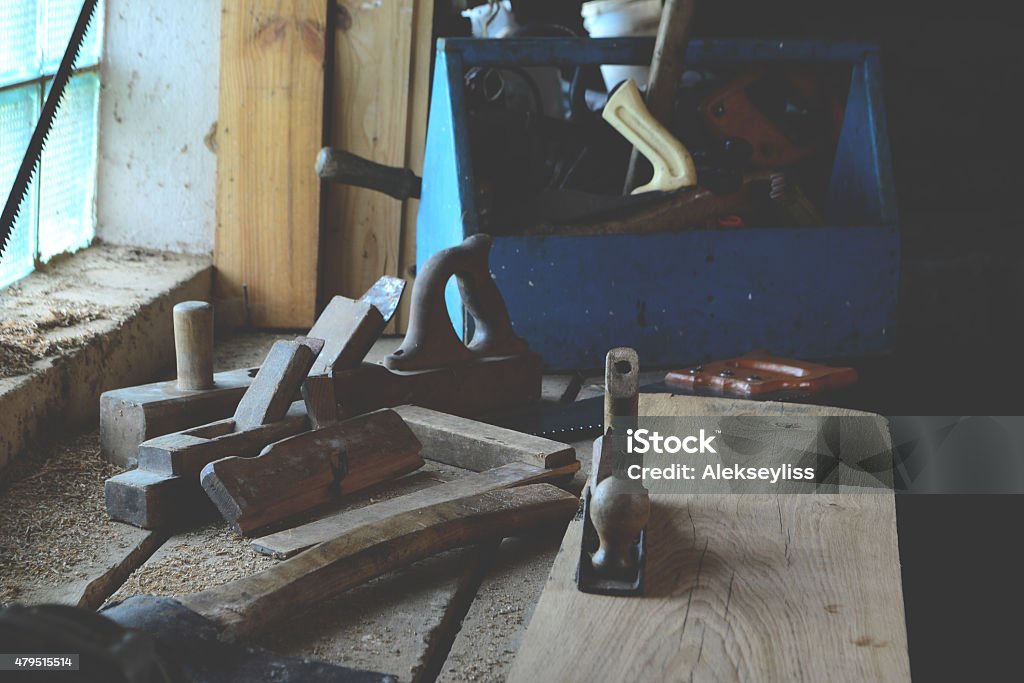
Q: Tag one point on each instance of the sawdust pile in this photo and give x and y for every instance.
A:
(51, 514)
(23, 342)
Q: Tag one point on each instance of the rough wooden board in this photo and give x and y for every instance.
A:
(56, 542)
(479, 446)
(399, 624)
(368, 90)
(269, 130)
(739, 587)
(422, 51)
(493, 627)
(121, 550)
(291, 541)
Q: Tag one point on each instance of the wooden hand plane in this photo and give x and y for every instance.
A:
(433, 368)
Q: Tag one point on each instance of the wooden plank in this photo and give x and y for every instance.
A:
(478, 446)
(312, 469)
(369, 103)
(269, 131)
(375, 547)
(422, 51)
(286, 543)
(739, 587)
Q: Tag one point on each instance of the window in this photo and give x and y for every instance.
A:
(58, 214)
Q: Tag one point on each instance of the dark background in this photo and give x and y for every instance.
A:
(952, 79)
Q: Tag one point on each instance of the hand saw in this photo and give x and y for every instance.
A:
(46, 116)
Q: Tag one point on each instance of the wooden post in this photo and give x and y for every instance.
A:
(269, 131)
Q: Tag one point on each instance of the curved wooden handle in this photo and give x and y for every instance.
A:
(673, 165)
(431, 341)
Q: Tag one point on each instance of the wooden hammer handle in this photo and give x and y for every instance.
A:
(349, 169)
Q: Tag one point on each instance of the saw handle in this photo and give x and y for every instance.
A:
(673, 165)
(431, 341)
(350, 169)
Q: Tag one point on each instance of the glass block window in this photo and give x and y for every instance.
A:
(58, 215)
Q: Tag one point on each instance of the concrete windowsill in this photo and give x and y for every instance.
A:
(87, 323)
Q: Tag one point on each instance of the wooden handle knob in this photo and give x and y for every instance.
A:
(619, 509)
(193, 344)
(621, 385)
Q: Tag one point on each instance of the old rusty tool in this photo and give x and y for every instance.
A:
(311, 469)
(616, 507)
(433, 368)
(673, 165)
(164, 490)
(666, 70)
(761, 375)
(132, 415)
(197, 631)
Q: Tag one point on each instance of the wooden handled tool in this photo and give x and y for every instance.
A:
(666, 68)
(349, 169)
(311, 469)
(616, 507)
(193, 344)
(132, 415)
(431, 341)
(673, 165)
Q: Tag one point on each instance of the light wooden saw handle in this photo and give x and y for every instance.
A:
(673, 165)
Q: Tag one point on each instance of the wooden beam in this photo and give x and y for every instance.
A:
(269, 131)
(738, 586)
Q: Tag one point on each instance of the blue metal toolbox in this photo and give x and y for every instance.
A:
(688, 296)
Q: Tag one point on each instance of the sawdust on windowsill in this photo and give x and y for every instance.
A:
(52, 515)
(25, 341)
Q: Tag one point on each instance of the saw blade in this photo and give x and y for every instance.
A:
(47, 114)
